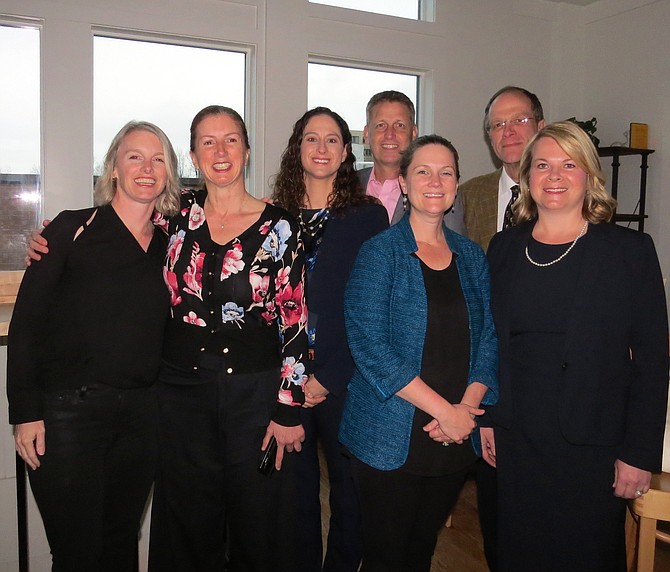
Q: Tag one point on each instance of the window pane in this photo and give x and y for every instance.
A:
(402, 8)
(20, 186)
(161, 83)
(347, 90)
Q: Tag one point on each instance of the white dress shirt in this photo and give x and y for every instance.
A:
(505, 185)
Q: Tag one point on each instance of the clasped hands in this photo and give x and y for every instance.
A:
(315, 393)
(455, 426)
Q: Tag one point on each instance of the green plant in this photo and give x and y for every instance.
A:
(590, 127)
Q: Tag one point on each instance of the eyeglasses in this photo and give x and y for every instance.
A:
(516, 122)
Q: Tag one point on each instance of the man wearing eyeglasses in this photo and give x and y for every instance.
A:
(389, 130)
(512, 116)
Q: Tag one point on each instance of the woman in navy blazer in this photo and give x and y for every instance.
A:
(421, 334)
(317, 183)
(580, 312)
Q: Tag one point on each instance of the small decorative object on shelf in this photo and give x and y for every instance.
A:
(639, 135)
(590, 127)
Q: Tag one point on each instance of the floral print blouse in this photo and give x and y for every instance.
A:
(242, 301)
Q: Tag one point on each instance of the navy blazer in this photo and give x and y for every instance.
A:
(386, 313)
(615, 359)
(345, 232)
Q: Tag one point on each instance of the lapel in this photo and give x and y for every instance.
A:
(518, 240)
(586, 287)
(488, 195)
(399, 211)
(481, 208)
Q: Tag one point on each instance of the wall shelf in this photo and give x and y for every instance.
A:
(615, 153)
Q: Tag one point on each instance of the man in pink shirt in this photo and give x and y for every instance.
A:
(389, 131)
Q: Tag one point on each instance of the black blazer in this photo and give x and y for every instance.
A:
(615, 364)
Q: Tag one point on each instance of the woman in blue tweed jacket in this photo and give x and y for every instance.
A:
(423, 341)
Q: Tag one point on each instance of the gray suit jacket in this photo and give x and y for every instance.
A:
(453, 218)
(480, 205)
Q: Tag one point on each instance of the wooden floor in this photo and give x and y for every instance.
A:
(459, 548)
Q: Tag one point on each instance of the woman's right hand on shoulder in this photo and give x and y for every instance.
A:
(29, 442)
(37, 245)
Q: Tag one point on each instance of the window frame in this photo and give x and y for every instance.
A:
(426, 10)
(37, 24)
(249, 51)
(423, 88)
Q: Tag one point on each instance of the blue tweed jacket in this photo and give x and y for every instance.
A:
(386, 314)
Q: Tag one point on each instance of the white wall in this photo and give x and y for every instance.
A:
(610, 59)
(627, 75)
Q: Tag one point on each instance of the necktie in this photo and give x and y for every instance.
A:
(508, 217)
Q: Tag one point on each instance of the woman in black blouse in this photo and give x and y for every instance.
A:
(317, 183)
(84, 352)
(234, 358)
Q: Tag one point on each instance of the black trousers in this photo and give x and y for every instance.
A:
(343, 553)
(208, 483)
(95, 476)
(402, 515)
(487, 505)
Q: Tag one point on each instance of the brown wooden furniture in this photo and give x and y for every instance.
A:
(652, 507)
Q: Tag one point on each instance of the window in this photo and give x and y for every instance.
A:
(346, 90)
(20, 142)
(165, 84)
(402, 8)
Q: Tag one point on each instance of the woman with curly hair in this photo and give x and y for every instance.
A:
(317, 183)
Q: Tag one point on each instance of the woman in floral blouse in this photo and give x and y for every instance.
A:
(318, 184)
(234, 360)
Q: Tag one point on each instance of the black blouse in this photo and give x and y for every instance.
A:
(92, 311)
(444, 368)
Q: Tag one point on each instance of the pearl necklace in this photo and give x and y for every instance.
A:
(562, 256)
(315, 223)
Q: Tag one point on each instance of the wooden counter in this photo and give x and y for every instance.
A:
(9, 286)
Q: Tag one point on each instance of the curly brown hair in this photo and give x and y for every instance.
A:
(289, 185)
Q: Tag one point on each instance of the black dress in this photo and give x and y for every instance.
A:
(557, 510)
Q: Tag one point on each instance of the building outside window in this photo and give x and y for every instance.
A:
(20, 142)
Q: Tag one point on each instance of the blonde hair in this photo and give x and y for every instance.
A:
(598, 205)
(105, 187)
